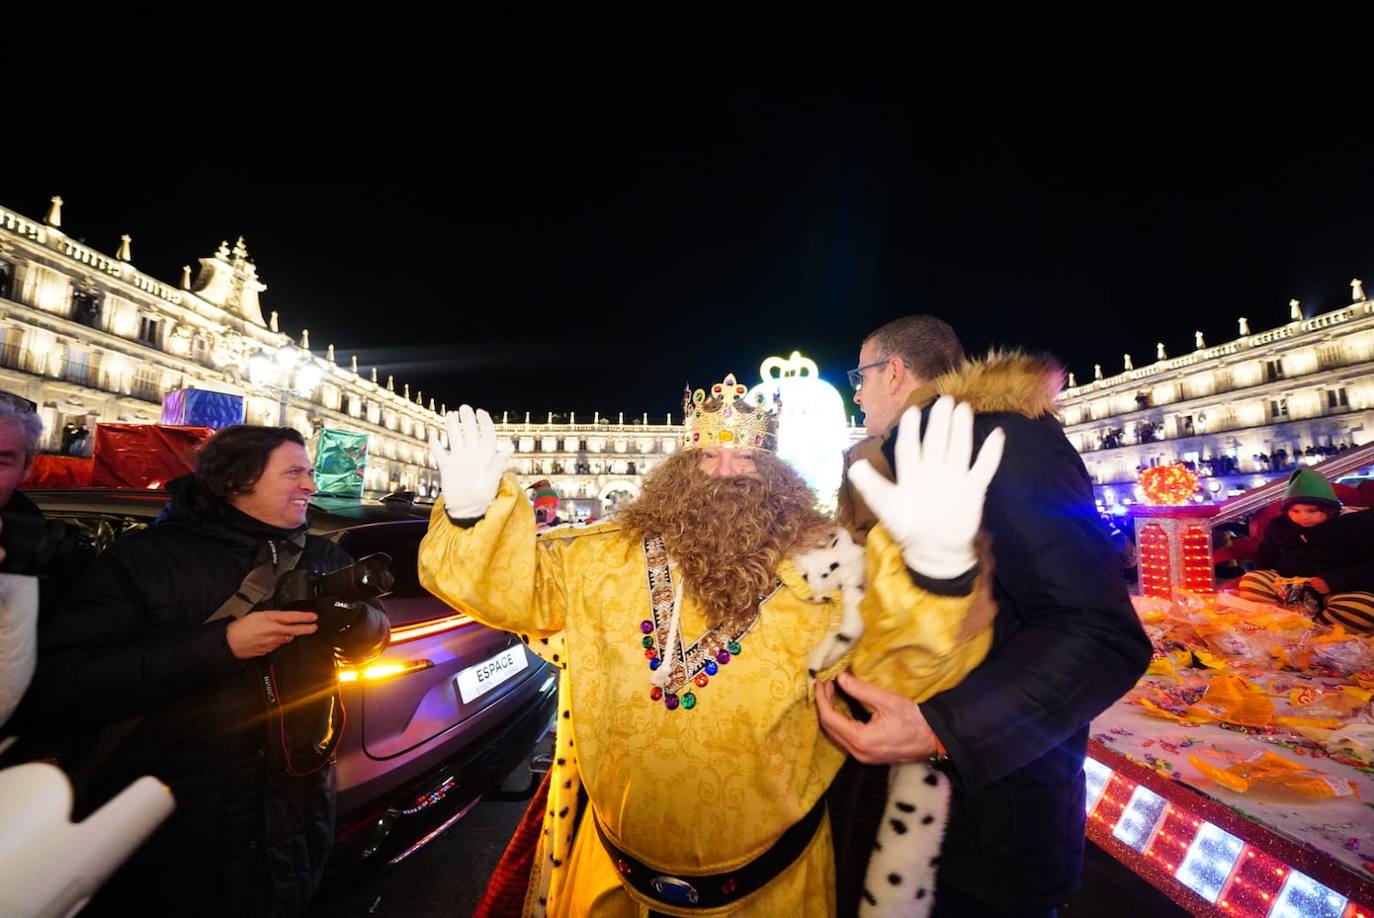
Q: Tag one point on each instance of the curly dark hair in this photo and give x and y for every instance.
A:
(231, 461)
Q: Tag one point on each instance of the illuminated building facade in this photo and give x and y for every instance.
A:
(1239, 413)
(90, 338)
(593, 466)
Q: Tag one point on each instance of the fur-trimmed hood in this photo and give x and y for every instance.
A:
(1026, 384)
(1005, 381)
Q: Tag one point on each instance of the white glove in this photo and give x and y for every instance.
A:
(470, 469)
(50, 866)
(936, 505)
(18, 639)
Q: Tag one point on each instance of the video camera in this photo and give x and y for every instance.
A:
(335, 596)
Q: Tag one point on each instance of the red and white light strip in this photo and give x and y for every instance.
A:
(1203, 862)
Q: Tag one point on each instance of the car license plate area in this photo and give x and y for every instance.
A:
(476, 681)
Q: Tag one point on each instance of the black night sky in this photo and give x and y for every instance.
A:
(582, 214)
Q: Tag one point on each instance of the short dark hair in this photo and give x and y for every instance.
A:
(231, 461)
(926, 344)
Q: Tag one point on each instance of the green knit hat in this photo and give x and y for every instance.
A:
(544, 495)
(1307, 487)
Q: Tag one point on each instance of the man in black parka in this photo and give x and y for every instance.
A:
(52, 551)
(132, 647)
(1067, 643)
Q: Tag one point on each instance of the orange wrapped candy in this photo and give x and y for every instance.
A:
(1269, 771)
(1234, 700)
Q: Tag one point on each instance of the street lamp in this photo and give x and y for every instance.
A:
(284, 372)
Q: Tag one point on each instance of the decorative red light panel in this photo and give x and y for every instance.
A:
(1196, 545)
(1176, 832)
(1154, 561)
(1254, 885)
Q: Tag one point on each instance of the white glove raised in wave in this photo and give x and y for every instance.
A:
(470, 468)
(934, 508)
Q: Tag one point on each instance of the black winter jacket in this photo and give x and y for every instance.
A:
(54, 552)
(245, 838)
(57, 554)
(1339, 551)
(1067, 644)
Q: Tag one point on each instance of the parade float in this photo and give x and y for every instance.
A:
(1238, 775)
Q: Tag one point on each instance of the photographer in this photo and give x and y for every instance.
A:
(146, 657)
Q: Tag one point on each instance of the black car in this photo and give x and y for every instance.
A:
(448, 711)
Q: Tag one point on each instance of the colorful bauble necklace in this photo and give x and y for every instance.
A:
(673, 665)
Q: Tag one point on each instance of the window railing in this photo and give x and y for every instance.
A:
(1217, 426)
(79, 373)
(12, 357)
(146, 390)
(17, 357)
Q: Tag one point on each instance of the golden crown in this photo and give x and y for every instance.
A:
(725, 419)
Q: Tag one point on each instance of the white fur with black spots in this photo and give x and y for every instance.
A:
(901, 871)
(836, 567)
(906, 854)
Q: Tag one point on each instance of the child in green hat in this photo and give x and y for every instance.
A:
(1332, 554)
(546, 502)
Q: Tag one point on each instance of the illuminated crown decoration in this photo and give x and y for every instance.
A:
(724, 419)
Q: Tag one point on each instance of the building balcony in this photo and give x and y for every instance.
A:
(80, 373)
(1229, 425)
(14, 357)
(147, 391)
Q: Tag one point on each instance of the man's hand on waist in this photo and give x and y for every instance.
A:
(897, 732)
(259, 633)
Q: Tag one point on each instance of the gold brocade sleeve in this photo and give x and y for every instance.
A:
(496, 570)
(915, 642)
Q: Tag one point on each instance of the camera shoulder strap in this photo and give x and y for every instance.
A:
(259, 583)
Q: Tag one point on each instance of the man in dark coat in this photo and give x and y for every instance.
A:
(52, 551)
(133, 648)
(1067, 643)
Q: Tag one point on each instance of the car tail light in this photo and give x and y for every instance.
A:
(379, 671)
(416, 630)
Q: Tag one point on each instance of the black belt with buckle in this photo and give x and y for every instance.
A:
(712, 890)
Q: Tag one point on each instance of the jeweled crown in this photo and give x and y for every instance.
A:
(724, 419)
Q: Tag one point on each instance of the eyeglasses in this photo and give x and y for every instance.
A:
(18, 403)
(856, 375)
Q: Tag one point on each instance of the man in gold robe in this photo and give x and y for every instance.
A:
(691, 628)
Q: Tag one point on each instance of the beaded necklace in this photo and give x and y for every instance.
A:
(672, 664)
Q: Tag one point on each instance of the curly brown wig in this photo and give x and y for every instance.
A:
(727, 535)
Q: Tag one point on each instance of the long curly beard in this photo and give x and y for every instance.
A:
(727, 535)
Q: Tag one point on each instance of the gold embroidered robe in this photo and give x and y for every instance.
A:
(702, 790)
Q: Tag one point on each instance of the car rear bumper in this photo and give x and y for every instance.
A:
(391, 829)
